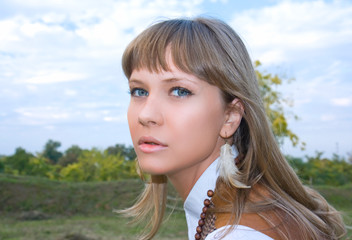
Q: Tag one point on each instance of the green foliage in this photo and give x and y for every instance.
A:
(2, 164)
(127, 152)
(349, 157)
(51, 152)
(274, 105)
(75, 165)
(18, 163)
(94, 165)
(322, 171)
(24, 163)
(71, 155)
(38, 166)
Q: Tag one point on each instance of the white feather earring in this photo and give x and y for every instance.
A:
(227, 168)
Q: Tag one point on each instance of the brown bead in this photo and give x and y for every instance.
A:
(210, 193)
(202, 215)
(207, 202)
(205, 209)
(197, 236)
(199, 229)
(201, 222)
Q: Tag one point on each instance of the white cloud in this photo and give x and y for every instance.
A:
(328, 117)
(342, 102)
(32, 88)
(47, 77)
(9, 93)
(222, 1)
(117, 119)
(70, 92)
(53, 18)
(99, 105)
(291, 28)
(8, 29)
(42, 113)
(31, 29)
(51, 115)
(49, 127)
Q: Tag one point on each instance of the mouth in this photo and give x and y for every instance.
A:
(150, 145)
(150, 141)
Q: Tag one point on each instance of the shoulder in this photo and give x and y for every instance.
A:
(251, 223)
(238, 232)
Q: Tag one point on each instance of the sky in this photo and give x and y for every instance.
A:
(61, 76)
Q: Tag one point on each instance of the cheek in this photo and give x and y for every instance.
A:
(132, 118)
(197, 128)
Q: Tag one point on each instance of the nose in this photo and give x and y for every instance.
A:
(151, 114)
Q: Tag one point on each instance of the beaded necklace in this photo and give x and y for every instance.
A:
(206, 223)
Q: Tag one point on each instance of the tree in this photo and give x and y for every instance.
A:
(297, 164)
(51, 152)
(127, 152)
(95, 165)
(320, 170)
(39, 166)
(71, 155)
(349, 157)
(274, 105)
(18, 162)
(2, 165)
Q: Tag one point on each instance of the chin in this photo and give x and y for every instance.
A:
(153, 169)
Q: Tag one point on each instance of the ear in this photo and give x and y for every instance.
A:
(233, 118)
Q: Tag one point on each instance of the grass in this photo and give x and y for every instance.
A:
(73, 209)
(18, 194)
(84, 211)
(341, 199)
(91, 227)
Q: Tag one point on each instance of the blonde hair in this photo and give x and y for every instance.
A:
(212, 51)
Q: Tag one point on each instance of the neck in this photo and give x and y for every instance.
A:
(184, 181)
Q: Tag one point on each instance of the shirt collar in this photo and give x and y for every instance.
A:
(195, 200)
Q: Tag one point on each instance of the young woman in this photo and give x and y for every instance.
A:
(197, 119)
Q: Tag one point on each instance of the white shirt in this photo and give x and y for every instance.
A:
(240, 232)
(195, 202)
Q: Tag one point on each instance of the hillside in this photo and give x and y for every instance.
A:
(84, 211)
(19, 194)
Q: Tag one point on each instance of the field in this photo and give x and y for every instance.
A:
(36, 208)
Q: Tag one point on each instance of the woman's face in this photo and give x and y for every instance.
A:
(175, 121)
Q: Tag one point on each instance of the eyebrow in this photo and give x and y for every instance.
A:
(135, 80)
(167, 80)
(174, 79)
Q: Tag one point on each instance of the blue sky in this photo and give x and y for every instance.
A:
(61, 77)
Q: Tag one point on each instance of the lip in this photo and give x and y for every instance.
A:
(150, 144)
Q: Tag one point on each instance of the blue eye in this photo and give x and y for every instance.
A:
(180, 92)
(139, 92)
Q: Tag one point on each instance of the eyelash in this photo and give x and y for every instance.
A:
(133, 91)
(184, 92)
